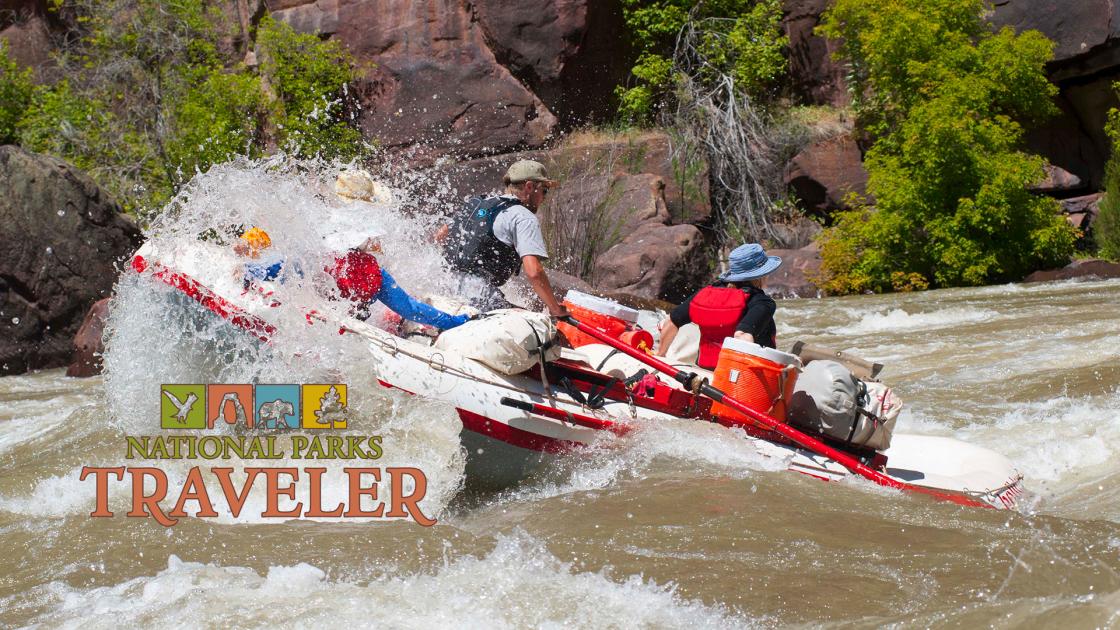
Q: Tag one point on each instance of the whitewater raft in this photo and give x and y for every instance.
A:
(513, 425)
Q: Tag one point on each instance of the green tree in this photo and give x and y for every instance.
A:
(1106, 228)
(946, 100)
(312, 109)
(738, 38)
(148, 99)
(15, 94)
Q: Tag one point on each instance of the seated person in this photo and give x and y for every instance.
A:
(252, 244)
(362, 280)
(735, 305)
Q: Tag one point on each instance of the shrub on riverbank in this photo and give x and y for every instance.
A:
(946, 100)
(738, 38)
(1106, 229)
(15, 94)
(146, 97)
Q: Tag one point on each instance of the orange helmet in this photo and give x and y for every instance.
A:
(257, 239)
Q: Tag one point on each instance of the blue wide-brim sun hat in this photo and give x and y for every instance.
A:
(748, 262)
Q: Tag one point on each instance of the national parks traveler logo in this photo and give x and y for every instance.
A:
(251, 426)
(267, 407)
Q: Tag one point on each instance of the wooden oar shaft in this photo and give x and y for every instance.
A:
(797, 437)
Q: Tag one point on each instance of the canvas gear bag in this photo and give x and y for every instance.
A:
(509, 341)
(829, 400)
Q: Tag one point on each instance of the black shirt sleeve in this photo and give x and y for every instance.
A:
(757, 320)
(680, 315)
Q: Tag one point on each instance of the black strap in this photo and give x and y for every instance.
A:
(599, 368)
(565, 385)
(597, 398)
(637, 376)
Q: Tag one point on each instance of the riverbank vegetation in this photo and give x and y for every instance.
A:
(711, 71)
(145, 95)
(941, 101)
(946, 101)
(1106, 229)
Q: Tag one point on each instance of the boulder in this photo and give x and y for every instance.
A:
(1077, 28)
(684, 174)
(29, 44)
(796, 277)
(607, 207)
(87, 343)
(1082, 211)
(591, 213)
(568, 53)
(1092, 268)
(657, 261)
(586, 157)
(1058, 181)
(468, 79)
(429, 80)
(1086, 63)
(825, 172)
(63, 239)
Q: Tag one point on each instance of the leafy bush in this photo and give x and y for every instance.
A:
(740, 38)
(1106, 228)
(946, 99)
(60, 122)
(147, 98)
(309, 78)
(15, 94)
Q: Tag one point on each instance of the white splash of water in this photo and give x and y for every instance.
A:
(702, 447)
(897, 319)
(517, 585)
(155, 335)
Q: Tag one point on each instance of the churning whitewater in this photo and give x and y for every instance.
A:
(672, 525)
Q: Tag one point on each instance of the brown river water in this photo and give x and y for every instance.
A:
(671, 526)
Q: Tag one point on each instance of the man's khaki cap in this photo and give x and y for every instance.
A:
(527, 171)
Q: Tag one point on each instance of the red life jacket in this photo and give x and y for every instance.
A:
(357, 275)
(716, 310)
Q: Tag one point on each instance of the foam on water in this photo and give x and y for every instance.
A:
(1056, 440)
(699, 447)
(517, 585)
(50, 401)
(897, 319)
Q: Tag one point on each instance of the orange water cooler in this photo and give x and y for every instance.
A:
(616, 320)
(760, 378)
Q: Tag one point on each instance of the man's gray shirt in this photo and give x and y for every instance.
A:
(519, 228)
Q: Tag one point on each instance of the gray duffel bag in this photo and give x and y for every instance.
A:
(829, 400)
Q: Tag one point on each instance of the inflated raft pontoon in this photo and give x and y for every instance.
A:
(563, 400)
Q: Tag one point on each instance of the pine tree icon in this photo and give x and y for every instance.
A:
(331, 409)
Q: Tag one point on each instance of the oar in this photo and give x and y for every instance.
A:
(689, 380)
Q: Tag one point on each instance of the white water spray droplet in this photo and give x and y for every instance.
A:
(50, 251)
(61, 213)
(15, 320)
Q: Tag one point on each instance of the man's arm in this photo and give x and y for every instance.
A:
(392, 295)
(759, 310)
(440, 235)
(668, 334)
(669, 328)
(538, 279)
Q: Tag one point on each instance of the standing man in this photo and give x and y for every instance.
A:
(494, 237)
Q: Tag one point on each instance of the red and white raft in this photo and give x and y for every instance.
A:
(513, 425)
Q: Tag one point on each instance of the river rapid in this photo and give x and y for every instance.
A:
(676, 525)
